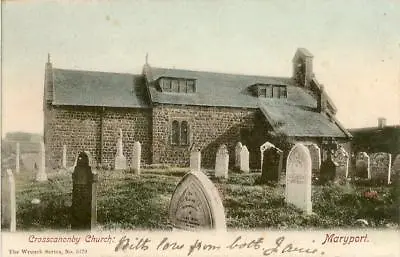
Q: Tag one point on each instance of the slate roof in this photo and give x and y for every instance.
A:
(227, 90)
(93, 88)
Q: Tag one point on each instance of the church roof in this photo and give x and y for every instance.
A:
(93, 88)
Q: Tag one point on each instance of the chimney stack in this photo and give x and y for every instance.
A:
(381, 122)
(321, 101)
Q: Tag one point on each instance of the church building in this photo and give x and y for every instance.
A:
(171, 111)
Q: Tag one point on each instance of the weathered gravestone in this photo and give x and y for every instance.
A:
(298, 178)
(64, 157)
(120, 159)
(17, 158)
(41, 174)
(222, 162)
(380, 166)
(238, 148)
(271, 165)
(396, 167)
(8, 202)
(328, 171)
(244, 160)
(315, 153)
(341, 157)
(196, 205)
(84, 203)
(362, 165)
(136, 157)
(195, 160)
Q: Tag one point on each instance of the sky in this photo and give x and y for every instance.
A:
(356, 47)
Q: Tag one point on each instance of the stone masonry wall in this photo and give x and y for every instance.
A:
(209, 128)
(80, 128)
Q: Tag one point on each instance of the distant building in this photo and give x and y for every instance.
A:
(171, 110)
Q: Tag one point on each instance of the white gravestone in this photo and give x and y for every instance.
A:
(341, 157)
(244, 160)
(64, 157)
(196, 205)
(298, 178)
(41, 174)
(380, 166)
(120, 159)
(222, 162)
(8, 202)
(17, 157)
(238, 148)
(263, 148)
(195, 161)
(136, 157)
(363, 165)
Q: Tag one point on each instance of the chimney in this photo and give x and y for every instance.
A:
(381, 122)
(321, 100)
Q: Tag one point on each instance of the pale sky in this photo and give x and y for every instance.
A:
(356, 47)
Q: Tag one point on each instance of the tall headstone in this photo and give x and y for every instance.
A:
(222, 162)
(396, 166)
(380, 166)
(244, 160)
(267, 145)
(363, 165)
(315, 153)
(238, 148)
(298, 178)
(17, 158)
(196, 205)
(64, 157)
(136, 157)
(41, 174)
(271, 165)
(195, 160)
(120, 159)
(84, 190)
(8, 202)
(342, 158)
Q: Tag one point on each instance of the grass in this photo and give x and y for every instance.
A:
(128, 201)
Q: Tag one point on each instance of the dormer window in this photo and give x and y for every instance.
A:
(271, 91)
(177, 85)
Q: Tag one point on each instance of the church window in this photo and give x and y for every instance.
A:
(190, 86)
(175, 132)
(175, 86)
(180, 133)
(182, 86)
(283, 92)
(167, 85)
(184, 133)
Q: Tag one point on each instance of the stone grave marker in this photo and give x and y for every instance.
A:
(195, 160)
(41, 174)
(244, 160)
(363, 165)
(120, 159)
(196, 205)
(222, 162)
(84, 190)
(328, 171)
(64, 157)
(396, 167)
(136, 157)
(298, 178)
(315, 153)
(8, 202)
(263, 147)
(271, 165)
(17, 158)
(380, 166)
(238, 148)
(341, 157)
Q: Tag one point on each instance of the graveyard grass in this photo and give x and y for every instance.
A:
(128, 201)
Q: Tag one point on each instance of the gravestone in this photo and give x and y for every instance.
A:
(41, 174)
(222, 162)
(244, 160)
(380, 166)
(298, 178)
(264, 147)
(315, 153)
(196, 205)
(136, 157)
(8, 202)
(84, 190)
(396, 166)
(17, 158)
(195, 161)
(271, 165)
(238, 148)
(120, 159)
(328, 171)
(64, 157)
(363, 165)
(341, 157)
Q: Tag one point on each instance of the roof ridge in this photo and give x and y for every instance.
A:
(95, 71)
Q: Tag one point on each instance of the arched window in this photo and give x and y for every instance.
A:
(184, 133)
(175, 132)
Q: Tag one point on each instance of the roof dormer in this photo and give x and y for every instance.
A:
(177, 85)
(269, 90)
